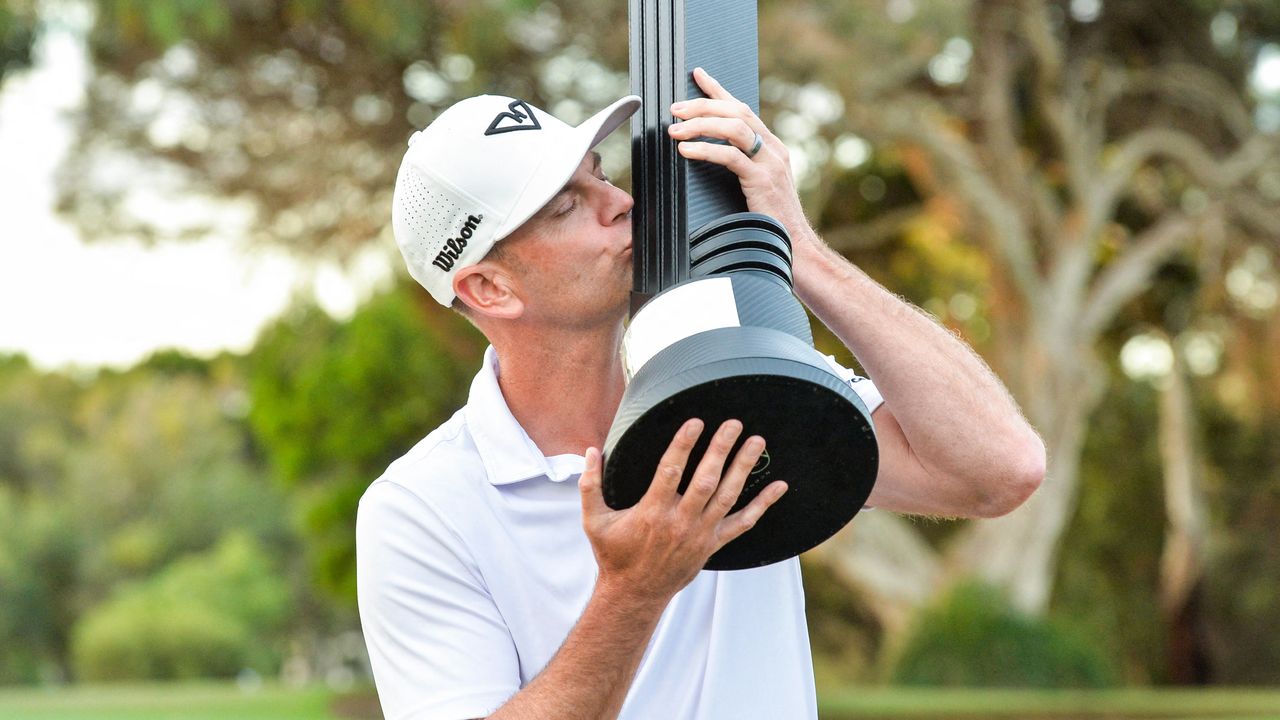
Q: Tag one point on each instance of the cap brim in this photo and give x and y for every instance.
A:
(562, 159)
(608, 119)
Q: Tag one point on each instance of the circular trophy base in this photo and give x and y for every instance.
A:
(818, 432)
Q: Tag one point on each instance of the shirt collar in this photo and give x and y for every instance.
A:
(508, 453)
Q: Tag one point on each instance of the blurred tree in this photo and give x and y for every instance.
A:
(332, 404)
(971, 637)
(231, 101)
(39, 564)
(1084, 148)
(206, 615)
(166, 473)
(36, 424)
(17, 34)
(1108, 573)
(110, 480)
(1041, 163)
(39, 541)
(1241, 610)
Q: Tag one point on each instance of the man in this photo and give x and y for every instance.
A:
(490, 586)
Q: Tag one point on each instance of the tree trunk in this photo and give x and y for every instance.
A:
(1182, 563)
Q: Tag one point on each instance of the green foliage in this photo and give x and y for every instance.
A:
(211, 614)
(333, 404)
(108, 482)
(326, 394)
(36, 424)
(167, 473)
(162, 24)
(973, 638)
(173, 363)
(843, 633)
(398, 27)
(39, 556)
(1109, 567)
(17, 33)
(147, 638)
(267, 83)
(1241, 605)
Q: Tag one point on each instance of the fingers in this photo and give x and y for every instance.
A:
(725, 118)
(738, 523)
(590, 486)
(707, 477)
(671, 467)
(737, 162)
(735, 477)
(734, 130)
(710, 85)
(719, 103)
(713, 108)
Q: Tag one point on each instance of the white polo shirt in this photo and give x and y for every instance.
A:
(472, 567)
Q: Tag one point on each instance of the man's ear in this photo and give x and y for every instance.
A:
(489, 290)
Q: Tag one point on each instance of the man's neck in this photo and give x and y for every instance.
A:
(562, 390)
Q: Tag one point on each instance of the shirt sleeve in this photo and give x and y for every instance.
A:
(866, 389)
(437, 644)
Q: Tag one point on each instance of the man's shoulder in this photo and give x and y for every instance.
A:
(426, 508)
(440, 466)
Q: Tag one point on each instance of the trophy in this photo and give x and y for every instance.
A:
(716, 331)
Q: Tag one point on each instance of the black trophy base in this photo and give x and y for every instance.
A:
(818, 434)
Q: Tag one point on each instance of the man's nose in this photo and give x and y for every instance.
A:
(618, 206)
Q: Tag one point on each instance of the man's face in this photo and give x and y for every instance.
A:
(573, 257)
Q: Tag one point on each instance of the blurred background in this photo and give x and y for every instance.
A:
(209, 348)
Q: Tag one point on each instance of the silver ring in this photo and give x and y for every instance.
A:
(755, 146)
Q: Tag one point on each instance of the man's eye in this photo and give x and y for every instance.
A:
(568, 208)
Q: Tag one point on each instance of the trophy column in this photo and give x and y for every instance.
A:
(716, 332)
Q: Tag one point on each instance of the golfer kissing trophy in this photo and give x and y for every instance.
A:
(716, 332)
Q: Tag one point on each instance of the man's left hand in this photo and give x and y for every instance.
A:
(766, 178)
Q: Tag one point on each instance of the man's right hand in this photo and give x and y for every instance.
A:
(654, 548)
(646, 554)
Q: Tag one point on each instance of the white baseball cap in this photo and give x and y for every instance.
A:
(476, 173)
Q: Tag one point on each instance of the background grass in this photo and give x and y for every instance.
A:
(185, 701)
(210, 701)
(939, 703)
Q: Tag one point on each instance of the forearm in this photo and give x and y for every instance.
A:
(588, 678)
(953, 440)
(960, 421)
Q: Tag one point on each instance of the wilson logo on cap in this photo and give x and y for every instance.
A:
(514, 120)
(454, 247)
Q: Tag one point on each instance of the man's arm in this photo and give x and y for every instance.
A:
(438, 644)
(645, 554)
(952, 440)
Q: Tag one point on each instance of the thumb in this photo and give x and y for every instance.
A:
(589, 485)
